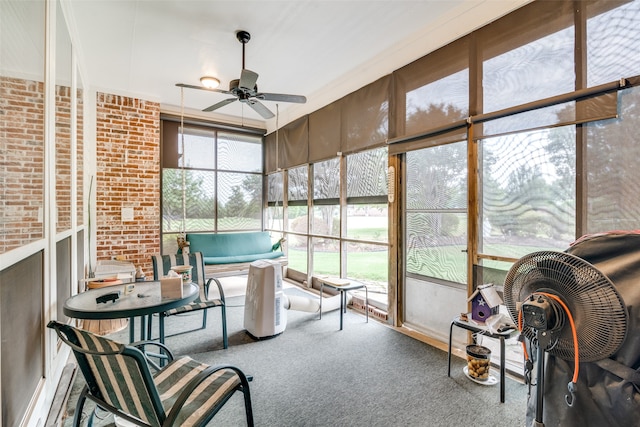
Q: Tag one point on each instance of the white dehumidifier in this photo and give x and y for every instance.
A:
(264, 312)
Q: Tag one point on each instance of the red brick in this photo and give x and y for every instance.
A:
(120, 129)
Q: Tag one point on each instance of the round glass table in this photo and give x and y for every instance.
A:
(145, 299)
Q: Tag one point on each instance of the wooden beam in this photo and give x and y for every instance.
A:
(396, 284)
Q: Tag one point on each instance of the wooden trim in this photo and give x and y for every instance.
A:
(473, 212)
(395, 280)
(343, 214)
(496, 258)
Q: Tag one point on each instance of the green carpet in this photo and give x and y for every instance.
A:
(313, 374)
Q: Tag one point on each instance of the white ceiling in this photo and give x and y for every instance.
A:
(322, 49)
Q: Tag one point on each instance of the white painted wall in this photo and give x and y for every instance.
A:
(430, 307)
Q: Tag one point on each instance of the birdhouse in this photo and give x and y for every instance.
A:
(485, 302)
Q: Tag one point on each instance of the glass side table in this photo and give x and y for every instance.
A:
(482, 329)
(343, 286)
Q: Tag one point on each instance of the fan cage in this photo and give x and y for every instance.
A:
(598, 310)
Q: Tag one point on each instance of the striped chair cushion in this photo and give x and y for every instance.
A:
(213, 390)
(163, 263)
(119, 379)
(198, 305)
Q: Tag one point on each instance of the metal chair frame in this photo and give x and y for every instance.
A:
(112, 370)
(202, 303)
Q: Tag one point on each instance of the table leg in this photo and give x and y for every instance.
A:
(502, 369)
(366, 302)
(449, 353)
(132, 332)
(321, 288)
(343, 296)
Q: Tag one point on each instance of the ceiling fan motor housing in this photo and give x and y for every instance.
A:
(245, 89)
(243, 36)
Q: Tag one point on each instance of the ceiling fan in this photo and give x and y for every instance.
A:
(245, 88)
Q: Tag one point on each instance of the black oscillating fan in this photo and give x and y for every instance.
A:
(567, 307)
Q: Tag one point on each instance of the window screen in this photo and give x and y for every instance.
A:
(612, 169)
(528, 192)
(274, 213)
(612, 41)
(436, 213)
(326, 198)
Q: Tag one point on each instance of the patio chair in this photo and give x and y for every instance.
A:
(161, 266)
(119, 379)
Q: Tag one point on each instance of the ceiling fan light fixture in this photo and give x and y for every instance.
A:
(209, 82)
(244, 89)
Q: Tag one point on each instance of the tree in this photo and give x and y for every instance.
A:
(438, 175)
(172, 194)
(612, 168)
(252, 185)
(326, 185)
(236, 205)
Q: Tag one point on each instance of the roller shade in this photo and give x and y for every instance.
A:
(433, 91)
(365, 117)
(272, 157)
(295, 138)
(170, 139)
(445, 134)
(550, 113)
(582, 106)
(325, 132)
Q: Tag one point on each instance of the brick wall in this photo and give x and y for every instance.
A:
(21, 162)
(128, 175)
(63, 158)
(80, 156)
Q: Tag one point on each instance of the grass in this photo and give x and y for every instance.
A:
(373, 266)
(375, 234)
(450, 263)
(445, 262)
(367, 266)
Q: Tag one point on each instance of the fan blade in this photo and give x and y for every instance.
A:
(203, 88)
(260, 108)
(220, 104)
(248, 79)
(281, 97)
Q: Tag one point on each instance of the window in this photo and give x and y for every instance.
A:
(367, 220)
(197, 189)
(612, 40)
(527, 62)
(433, 91)
(325, 222)
(239, 153)
(437, 103)
(348, 240)
(239, 201)
(297, 217)
(211, 181)
(367, 195)
(326, 198)
(436, 212)
(274, 202)
(612, 169)
(528, 192)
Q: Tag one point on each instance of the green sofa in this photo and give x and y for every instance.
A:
(233, 248)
